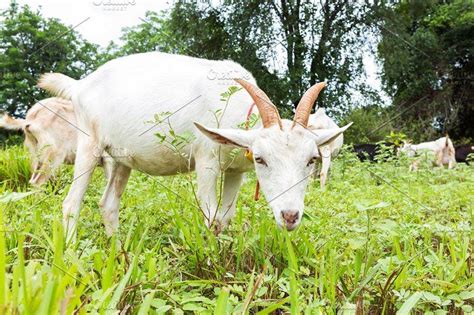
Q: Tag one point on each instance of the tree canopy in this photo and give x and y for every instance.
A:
(286, 45)
(31, 45)
(427, 53)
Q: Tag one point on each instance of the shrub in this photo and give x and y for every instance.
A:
(371, 124)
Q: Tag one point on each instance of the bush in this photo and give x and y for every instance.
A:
(371, 125)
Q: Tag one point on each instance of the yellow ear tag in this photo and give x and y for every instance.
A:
(249, 155)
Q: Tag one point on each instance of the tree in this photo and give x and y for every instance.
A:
(427, 50)
(31, 45)
(329, 37)
(190, 30)
(319, 41)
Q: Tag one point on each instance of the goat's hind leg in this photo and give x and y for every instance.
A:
(117, 179)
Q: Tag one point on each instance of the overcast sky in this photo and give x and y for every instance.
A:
(105, 19)
(101, 21)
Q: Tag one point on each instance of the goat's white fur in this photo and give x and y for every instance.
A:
(318, 121)
(114, 103)
(442, 148)
(49, 136)
(10, 123)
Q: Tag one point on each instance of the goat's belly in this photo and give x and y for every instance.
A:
(160, 161)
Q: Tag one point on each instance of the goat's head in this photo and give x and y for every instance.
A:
(41, 152)
(284, 152)
(407, 148)
(47, 138)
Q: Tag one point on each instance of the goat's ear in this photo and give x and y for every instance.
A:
(233, 137)
(324, 136)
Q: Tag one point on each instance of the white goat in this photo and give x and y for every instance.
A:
(442, 148)
(114, 103)
(318, 121)
(49, 136)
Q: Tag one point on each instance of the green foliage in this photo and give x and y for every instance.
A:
(427, 52)
(396, 138)
(225, 96)
(362, 244)
(251, 122)
(371, 124)
(252, 33)
(173, 140)
(31, 45)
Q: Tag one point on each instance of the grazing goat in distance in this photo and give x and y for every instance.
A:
(318, 121)
(370, 151)
(366, 151)
(442, 148)
(49, 136)
(114, 102)
(462, 153)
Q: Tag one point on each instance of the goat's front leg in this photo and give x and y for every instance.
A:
(439, 158)
(207, 172)
(232, 182)
(414, 166)
(451, 164)
(83, 169)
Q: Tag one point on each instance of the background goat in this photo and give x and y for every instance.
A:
(442, 148)
(462, 153)
(371, 151)
(49, 136)
(319, 120)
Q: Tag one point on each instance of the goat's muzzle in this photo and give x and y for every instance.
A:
(290, 219)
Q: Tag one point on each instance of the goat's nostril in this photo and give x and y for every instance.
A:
(290, 216)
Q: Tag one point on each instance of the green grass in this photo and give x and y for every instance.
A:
(14, 167)
(379, 239)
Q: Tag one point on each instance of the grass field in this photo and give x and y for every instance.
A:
(378, 240)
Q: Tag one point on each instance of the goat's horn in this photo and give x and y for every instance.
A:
(267, 110)
(303, 110)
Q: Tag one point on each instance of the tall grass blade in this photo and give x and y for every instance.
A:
(221, 305)
(409, 304)
(273, 307)
(3, 284)
(293, 267)
(21, 270)
(145, 307)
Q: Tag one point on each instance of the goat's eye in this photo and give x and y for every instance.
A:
(259, 160)
(312, 161)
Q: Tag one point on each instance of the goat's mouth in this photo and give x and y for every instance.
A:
(291, 227)
(288, 226)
